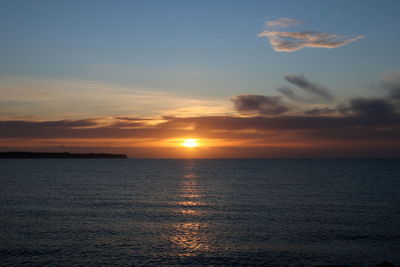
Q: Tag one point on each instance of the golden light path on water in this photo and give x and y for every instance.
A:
(190, 237)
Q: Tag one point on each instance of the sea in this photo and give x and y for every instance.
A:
(267, 212)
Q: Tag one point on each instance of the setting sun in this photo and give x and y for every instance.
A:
(190, 143)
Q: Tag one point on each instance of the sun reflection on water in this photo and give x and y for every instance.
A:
(189, 212)
(190, 237)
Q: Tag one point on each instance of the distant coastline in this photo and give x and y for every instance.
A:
(62, 155)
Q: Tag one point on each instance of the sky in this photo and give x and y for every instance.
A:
(246, 79)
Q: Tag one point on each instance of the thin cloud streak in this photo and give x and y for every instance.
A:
(74, 98)
(283, 23)
(289, 93)
(306, 85)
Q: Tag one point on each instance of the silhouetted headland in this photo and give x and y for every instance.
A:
(62, 155)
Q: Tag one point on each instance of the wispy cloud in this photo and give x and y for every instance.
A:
(306, 85)
(385, 107)
(283, 23)
(282, 41)
(293, 41)
(320, 111)
(72, 98)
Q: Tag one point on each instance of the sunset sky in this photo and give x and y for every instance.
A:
(241, 79)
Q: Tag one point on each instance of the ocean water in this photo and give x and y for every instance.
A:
(80, 212)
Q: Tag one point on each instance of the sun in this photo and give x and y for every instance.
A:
(190, 143)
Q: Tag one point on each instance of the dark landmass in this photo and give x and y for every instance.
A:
(63, 155)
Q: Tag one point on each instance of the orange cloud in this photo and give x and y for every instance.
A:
(358, 127)
(220, 136)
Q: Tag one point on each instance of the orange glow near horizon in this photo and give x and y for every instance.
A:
(190, 143)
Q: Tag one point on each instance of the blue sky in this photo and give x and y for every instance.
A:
(196, 49)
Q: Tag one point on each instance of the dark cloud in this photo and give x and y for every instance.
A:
(306, 85)
(294, 123)
(362, 108)
(290, 93)
(127, 124)
(127, 118)
(395, 93)
(320, 111)
(259, 104)
(283, 134)
(384, 107)
(54, 124)
(373, 107)
(358, 126)
(88, 128)
(173, 127)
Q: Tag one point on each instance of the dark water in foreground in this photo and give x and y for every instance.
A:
(199, 212)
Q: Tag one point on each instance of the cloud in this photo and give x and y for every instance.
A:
(391, 81)
(48, 98)
(289, 93)
(351, 133)
(259, 104)
(306, 85)
(130, 119)
(55, 124)
(362, 127)
(372, 107)
(385, 106)
(283, 23)
(293, 41)
(320, 111)
(351, 126)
